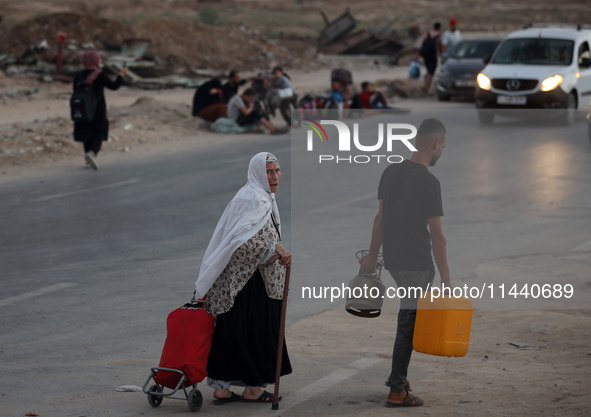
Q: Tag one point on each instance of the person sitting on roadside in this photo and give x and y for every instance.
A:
(287, 93)
(372, 99)
(341, 93)
(230, 89)
(208, 102)
(264, 92)
(241, 108)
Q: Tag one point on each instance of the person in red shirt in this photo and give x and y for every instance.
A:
(372, 99)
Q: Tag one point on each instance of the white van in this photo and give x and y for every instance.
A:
(543, 66)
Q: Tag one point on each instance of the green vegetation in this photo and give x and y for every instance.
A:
(209, 16)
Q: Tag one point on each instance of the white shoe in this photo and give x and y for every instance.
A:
(90, 160)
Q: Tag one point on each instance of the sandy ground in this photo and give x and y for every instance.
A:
(495, 378)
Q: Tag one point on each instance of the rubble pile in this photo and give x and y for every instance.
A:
(41, 34)
(173, 47)
(340, 37)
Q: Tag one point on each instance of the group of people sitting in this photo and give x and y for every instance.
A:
(250, 109)
(342, 97)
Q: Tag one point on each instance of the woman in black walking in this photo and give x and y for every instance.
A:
(93, 133)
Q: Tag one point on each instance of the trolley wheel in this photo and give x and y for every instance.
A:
(155, 400)
(195, 400)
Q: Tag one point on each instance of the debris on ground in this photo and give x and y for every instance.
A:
(339, 37)
(151, 49)
(145, 121)
(20, 92)
(128, 388)
(37, 39)
(527, 346)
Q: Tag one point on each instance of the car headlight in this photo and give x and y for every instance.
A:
(483, 81)
(443, 72)
(551, 83)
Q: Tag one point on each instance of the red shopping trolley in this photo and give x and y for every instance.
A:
(189, 330)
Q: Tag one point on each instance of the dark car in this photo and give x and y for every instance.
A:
(457, 75)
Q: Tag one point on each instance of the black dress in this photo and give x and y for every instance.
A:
(93, 133)
(203, 97)
(245, 342)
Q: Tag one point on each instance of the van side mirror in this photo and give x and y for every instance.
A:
(585, 63)
(486, 59)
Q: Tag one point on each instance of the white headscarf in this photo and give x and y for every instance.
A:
(244, 216)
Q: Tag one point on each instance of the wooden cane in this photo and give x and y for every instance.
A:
(275, 405)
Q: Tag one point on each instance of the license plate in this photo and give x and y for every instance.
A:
(465, 83)
(512, 100)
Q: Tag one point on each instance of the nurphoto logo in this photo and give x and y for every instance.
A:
(389, 133)
(313, 126)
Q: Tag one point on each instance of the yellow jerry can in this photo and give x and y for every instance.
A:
(443, 325)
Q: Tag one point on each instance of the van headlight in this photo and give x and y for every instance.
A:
(551, 83)
(483, 81)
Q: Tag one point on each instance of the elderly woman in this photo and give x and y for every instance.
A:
(242, 277)
(93, 133)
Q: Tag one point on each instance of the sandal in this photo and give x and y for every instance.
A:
(409, 401)
(265, 397)
(231, 399)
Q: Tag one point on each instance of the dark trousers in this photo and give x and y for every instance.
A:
(93, 145)
(251, 118)
(406, 323)
(378, 102)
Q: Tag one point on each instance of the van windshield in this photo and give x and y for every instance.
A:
(474, 49)
(535, 51)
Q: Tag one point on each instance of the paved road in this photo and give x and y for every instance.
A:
(93, 262)
(517, 187)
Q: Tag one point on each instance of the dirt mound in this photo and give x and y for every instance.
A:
(150, 110)
(201, 46)
(179, 44)
(79, 28)
(404, 88)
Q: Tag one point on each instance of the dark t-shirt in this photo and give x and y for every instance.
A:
(410, 195)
